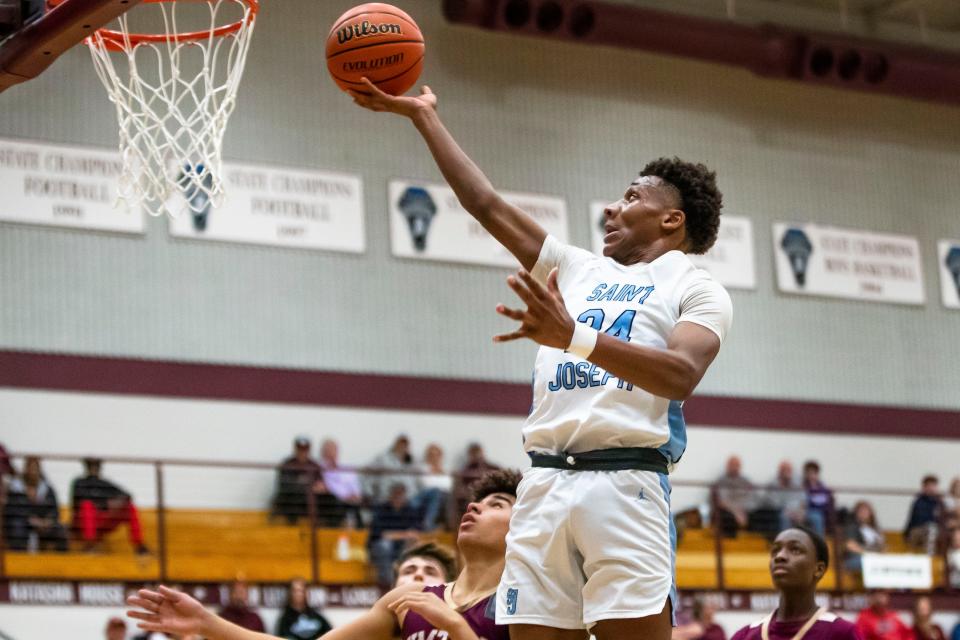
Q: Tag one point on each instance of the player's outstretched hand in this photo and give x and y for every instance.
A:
(546, 320)
(376, 100)
(431, 608)
(169, 611)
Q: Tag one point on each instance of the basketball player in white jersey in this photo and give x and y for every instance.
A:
(625, 338)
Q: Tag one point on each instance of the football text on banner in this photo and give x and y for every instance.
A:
(427, 222)
(730, 261)
(282, 207)
(846, 263)
(63, 186)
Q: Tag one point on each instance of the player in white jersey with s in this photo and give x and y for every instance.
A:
(625, 338)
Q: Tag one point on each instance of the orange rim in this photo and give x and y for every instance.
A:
(116, 40)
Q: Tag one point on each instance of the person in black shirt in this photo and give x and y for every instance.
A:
(395, 524)
(31, 515)
(300, 621)
(297, 477)
(99, 507)
(926, 513)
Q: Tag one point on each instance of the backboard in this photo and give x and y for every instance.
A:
(36, 32)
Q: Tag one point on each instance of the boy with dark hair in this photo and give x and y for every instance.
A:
(429, 564)
(798, 559)
(460, 610)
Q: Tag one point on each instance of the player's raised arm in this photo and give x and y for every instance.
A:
(513, 228)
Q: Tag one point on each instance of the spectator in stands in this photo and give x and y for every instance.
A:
(342, 483)
(951, 504)
(926, 515)
(238, 609)
(395, 524)
(735, 499)
(475, 466)
(31, 515)
(820, 505)
(116, 629)
(953, 561)
(429, 564)
(879, 622)
(923, 626)
(701, 626)
(300, 621)
(436, 486)
(397, 458)
(99, 507)
(6, 468)
(862, 535)
(297, 477)
(783, 504)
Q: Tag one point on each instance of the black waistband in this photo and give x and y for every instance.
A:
(639, 459)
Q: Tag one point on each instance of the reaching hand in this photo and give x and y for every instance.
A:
(430, 607)
(169, 611)
(546, 320)
(376, 100)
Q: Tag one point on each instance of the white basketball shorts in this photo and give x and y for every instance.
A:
(586, 546)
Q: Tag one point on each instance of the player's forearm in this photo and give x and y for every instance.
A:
(472, 187)
(661, 372)
(461, 631)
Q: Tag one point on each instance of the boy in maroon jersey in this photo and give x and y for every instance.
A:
(461, 610)
(798, 559)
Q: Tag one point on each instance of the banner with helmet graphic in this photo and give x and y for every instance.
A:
(846, 263)
(280, 206)
(948, 260)
(730, 261)
(428, 223)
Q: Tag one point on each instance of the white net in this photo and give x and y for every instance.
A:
(174, 90)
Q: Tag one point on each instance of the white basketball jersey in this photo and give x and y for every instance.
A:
(577, 406)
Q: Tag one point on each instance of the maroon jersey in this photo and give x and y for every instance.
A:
(828, 626)
(480, 617)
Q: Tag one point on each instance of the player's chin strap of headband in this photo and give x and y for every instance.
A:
(626, 459)
(765, 628)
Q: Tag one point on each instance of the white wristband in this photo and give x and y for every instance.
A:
(584, 340)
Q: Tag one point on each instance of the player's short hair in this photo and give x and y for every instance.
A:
(700, 199)
(499, 481)
(438, 553)
(819, 544)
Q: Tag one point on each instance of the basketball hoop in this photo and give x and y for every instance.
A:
(174, 91)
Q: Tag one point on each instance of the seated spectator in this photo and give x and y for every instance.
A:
(300, 621)
(429, 564)
(6, 474)
(31, 515)
(923, 626)
(862, 535)
(926, 513)
(735, 498)
(99, 507)
(953, 562)
(116, 629)
(475, 466)
(820, 505)
(238, 609)
(395, 524)
(436, 486)
(700, 625)
(398, 458)
(297, 477)
(879, 622)
(783, 504)
(951, 505)
(338, 503)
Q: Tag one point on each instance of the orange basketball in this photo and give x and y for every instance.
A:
(377, 41)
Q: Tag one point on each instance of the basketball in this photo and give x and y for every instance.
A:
(377, 41)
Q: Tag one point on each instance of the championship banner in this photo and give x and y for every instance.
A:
(63, 186)
(281, 207)
(730, 261)
(427, 222)
(897, 571)
(948, 259)
(845, 263)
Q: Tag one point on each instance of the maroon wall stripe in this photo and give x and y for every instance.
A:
(329, 388)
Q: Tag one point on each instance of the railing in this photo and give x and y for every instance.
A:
(235, 524)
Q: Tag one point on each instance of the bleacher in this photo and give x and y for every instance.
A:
(217, 545)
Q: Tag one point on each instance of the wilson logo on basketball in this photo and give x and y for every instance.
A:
(376, 63)
(365, 30)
